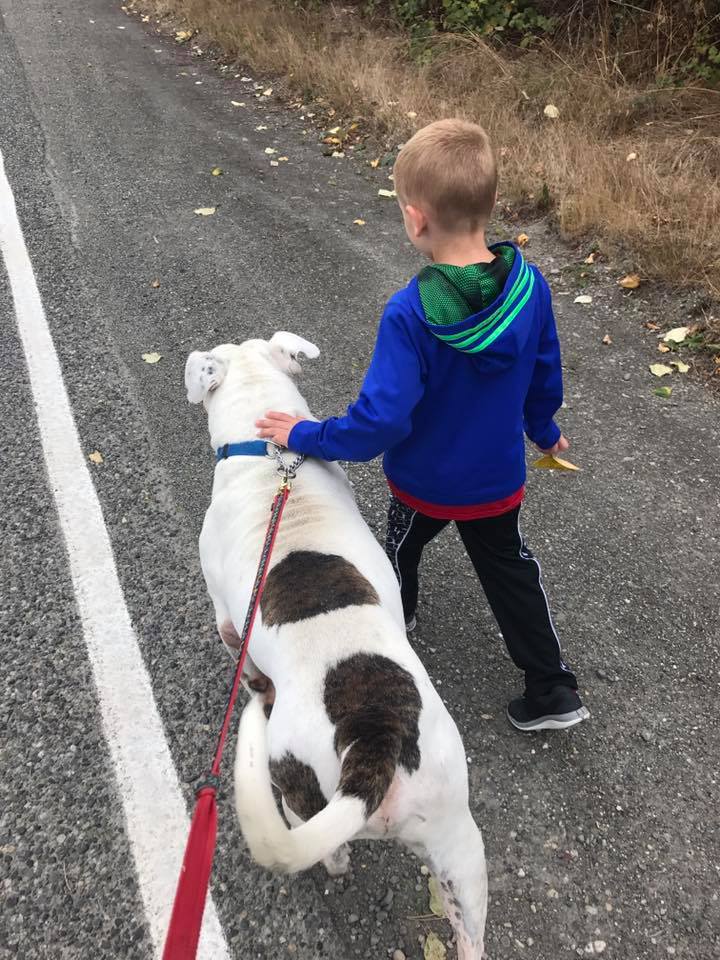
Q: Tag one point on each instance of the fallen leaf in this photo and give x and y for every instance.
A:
(155, 283)
(411, 114)
(434, 948)
(332, 141)
(551, 111)
(334, 130)
(659, 369)
(590, 257)
(182, 35)
(205, 211)
(630, 282)
(681, 367)
(375, 163)
(486, 716)
(152, 357)
(436, 904)
(663, 348)
(583, 298)
(387, 193)
(607, 339)
(270, 150)
(337, 154)
(216, 171)
(268, 92)
(549, 462)
(274, 163)
(245, 79)
(676, 335)
(95, 457)
(649, 325)
(283, 159)
(631, 156)
(662, 392)
(261, 126)
(522, 239)
(359, 222)
(236, 103)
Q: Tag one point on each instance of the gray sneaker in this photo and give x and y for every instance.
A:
(557, 710)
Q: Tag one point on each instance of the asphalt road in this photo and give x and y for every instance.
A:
(604, 835)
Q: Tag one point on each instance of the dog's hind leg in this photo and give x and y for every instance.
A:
(338, 862)
(456, 855)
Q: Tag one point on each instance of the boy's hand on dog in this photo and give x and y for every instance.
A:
(276, 427)
(562, 444)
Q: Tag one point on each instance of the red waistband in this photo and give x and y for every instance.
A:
(474, 511)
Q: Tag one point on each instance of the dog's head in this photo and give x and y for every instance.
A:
(205, 371)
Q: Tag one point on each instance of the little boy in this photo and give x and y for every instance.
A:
(467, 360)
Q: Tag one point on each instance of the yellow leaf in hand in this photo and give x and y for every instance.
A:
(95, 457)
(549, 462)
(152, 357)
(436, 904)
(434, 948)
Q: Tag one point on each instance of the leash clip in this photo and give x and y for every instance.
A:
(211, 780)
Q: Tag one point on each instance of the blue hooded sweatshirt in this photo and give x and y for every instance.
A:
(448, 405)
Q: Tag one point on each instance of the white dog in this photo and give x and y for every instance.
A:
(344, 720)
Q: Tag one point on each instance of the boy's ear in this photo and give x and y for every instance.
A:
(417, 218)
(204, 373)
(285, 348)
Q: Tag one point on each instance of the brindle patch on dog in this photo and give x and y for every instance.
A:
(375, 706)
(298, 784)
(306, 583)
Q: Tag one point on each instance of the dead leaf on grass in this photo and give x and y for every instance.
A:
(631, 156)
(676, 335)
(152, 357)
(630, 282)
(205, 211)
(660, 369)
(182, 36)
(680, 366)
(663, 348)
(96, 457)
(551, 111)
(375, 163)
(590, 258)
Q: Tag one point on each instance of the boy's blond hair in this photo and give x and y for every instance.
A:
(449, 167)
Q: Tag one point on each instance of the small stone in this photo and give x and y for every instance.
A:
(424, 870)
(521, 872)
(646, 735)
(591, 911)
(353, 918)
(398, 955)
(626, 376)
(553, 894)
(601, 675)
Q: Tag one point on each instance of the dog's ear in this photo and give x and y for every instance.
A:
(285, 349)
(204, 373)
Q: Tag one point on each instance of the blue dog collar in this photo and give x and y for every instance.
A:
(249, 448)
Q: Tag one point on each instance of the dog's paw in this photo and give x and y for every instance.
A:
(338, 862)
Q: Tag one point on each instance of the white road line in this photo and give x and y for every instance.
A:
(155, 812)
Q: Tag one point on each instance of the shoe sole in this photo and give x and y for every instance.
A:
(553, 721)
(411, 625)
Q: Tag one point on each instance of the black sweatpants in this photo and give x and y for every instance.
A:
(510, 576)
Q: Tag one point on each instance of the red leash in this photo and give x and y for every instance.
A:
(186, 919)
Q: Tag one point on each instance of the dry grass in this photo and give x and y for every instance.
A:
(662, 208)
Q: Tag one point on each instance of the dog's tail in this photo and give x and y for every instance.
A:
(270, 841)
